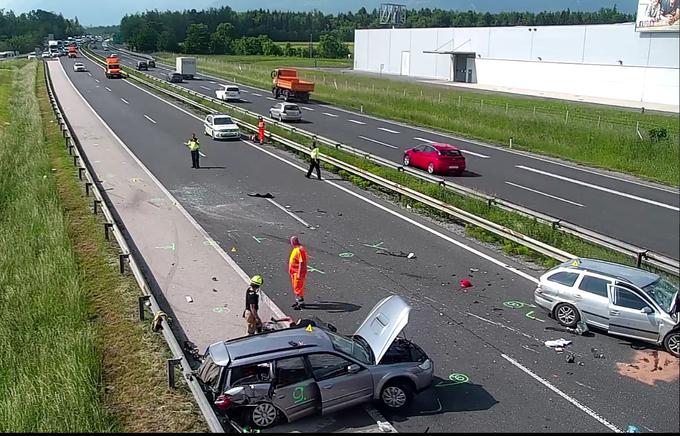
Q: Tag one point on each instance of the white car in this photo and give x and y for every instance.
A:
(285, 112)
(220, 126)
(31, 56)
(228, 92)
(79, 67)
(45, 54)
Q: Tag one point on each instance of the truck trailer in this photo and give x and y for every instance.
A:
(287, 84)
(186, 66)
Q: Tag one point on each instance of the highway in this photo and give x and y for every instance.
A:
(620, 206)
(490, 333)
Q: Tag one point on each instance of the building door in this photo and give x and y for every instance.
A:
(405, 63)
(459, 67)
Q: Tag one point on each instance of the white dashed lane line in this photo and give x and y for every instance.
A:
(378, 142)
(330, 115)
(387, 130)
(205, 87)
(96, 80)
(544, 194)
(357, 122)
(107, 88)
(483, 156)
(307, 108)
(149, 118)
(271, 98)
(125, 101)
(257, 95)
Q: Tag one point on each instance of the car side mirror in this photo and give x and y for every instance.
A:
(646, 309)
(414, 151)
(353, 368)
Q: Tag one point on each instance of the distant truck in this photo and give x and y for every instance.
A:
(285, 83)
(113, 67)
(72, 51)
(186, 66)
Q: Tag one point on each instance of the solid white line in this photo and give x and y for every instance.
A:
(330, 115)
(601, 188)
(304, 223)
(124, 101)
(204, 87)
(377, 142)
(307, 108)
(257, 95)
(107, 88)
(543, 193)
(387, 130)
(563, 395)
(483, 156)
(357, 122)
(149, 118)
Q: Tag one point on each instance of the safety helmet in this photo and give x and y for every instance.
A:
(256, 280)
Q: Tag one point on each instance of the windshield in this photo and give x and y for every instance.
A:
(663, 292)
(232, 89)
(449, 152)
(352, 346)
(221, 121)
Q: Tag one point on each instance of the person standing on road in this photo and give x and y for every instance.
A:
(297, 268)
(252, 305)
(314, 161)
(194, 146)
(260, 130)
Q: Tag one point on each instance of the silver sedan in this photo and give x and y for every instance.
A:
(285, 112)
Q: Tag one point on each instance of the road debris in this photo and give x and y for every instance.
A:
(472, 270)
(214, 279)
(257, 194)
(557, 343)
(189, 299)
(465, 283)
(570, 358)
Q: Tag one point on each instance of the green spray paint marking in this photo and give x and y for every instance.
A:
(377, 246)
(456, 379)
(530, 315)
(259, 240)
(517, 304)
(213, 243)
(168, 247)
(346, 254)
(299, 394)
(221, 309)
(312, 269)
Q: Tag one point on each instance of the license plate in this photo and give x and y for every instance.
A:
(453, 167)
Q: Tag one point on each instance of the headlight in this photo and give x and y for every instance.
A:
(427, 365)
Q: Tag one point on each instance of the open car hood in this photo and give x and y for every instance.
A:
(382, 325)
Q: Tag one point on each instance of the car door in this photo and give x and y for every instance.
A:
(417, 156)
(429, 155)
(295, 391)
(342, 383)
(631, 315)
(208, 124)
(276, 110)
(592, 299)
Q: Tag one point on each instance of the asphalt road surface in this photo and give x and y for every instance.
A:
(493, 371)
(612, 204)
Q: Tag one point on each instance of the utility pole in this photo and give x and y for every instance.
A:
(310, 46)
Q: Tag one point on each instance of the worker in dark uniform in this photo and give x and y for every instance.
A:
(252, 305)
(314, 161)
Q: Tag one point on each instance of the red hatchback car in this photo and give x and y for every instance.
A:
(436, 158)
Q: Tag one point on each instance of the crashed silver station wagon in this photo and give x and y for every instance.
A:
(296, 372)
(623, 300)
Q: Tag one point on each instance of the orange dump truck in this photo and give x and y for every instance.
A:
(113, 67)
(286, 84)
(72, 51)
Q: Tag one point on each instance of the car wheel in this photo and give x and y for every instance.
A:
(264, 415)
(567, 315)
(672, 343)
(430, 168)
(407, 159)
(396, 396)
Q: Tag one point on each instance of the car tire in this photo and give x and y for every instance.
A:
(567, 315)
(263, 415)
(672, 343)
(407, 160)
(396, 395)
(430, 168)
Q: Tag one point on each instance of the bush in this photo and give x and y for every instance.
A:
(658, 134)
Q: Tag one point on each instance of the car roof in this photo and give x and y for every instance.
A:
(442, 146)
(269, 345)
(221, 116)
(636, 276)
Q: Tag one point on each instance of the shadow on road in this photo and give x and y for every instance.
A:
(331, 306)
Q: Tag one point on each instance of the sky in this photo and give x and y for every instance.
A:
(98, 13)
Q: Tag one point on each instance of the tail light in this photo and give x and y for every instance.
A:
(223, 402)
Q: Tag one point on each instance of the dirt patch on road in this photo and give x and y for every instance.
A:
(650, 367)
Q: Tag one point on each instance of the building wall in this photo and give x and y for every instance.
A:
(582, 60)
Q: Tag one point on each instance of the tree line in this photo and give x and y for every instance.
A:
(26, 31)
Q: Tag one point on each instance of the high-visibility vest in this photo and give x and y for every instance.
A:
(193, 145)
(315, 153)
(297, 263)
(260, 125)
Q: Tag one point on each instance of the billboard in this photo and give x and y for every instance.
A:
(658, 16)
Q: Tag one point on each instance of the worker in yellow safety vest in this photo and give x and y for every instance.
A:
(314, 161)
(194, 146)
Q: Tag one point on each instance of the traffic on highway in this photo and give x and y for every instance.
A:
(480, 340)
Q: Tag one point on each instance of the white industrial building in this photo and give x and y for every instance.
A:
(610, 61)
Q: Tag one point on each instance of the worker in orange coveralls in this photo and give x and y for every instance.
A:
(297, 268)
(260, 130)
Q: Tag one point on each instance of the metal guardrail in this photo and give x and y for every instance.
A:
(641, 256)
(101, 201)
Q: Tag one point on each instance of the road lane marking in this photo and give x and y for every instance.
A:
(600, 188)
(377, 142)
(89, 74)
(330, 115)
(387, 130)
(96, 80)
(271, 98)
(307, 108)
(204, 87)
(245, 90)
(547, 195)
(107, 88)
(149, 118)
(214, 83)
(563, 395)
(483, 156)
(425, 140)
(357, 122)
(257, 95)
(125, 101)
(297, 218)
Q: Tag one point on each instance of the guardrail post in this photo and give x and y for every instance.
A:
(80, 172)
(172, 363)
(75, 160)
(107, 226)
(121, 259)
(94, 206)
(87, 188)
(70, 149)
(640, 255)
(142, 303)
(66, 138)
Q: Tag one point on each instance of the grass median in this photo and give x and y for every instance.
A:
(599, 136)
(527, 226)
(72, 356)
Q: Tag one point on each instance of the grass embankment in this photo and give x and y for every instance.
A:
(585, 133)
(72, 356)
(517, 222)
